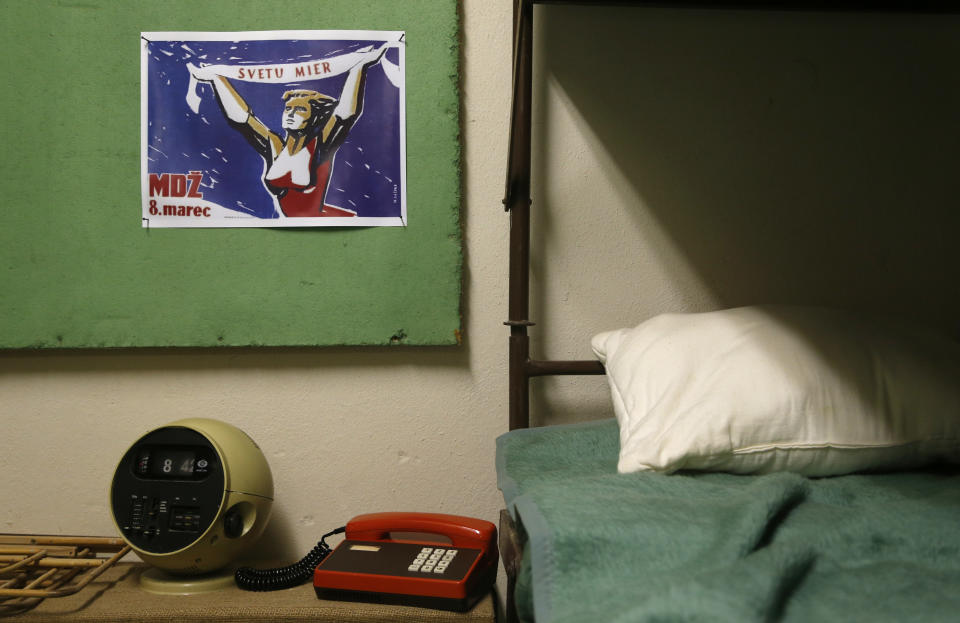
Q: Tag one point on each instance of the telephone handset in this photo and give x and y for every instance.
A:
(378, 562)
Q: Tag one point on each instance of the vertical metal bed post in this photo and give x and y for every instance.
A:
(517, 201)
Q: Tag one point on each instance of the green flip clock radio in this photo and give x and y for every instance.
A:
(190, 497)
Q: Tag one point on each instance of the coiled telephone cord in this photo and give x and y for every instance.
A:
(250, 579)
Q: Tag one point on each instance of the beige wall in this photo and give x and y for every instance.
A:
(346, 431)
(696, 159)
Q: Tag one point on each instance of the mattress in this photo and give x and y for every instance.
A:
(603, 546)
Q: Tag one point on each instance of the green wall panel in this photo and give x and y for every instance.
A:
(78, 270)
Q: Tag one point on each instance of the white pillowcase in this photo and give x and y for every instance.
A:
(763, 389)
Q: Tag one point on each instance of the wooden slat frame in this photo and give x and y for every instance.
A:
(37, 567)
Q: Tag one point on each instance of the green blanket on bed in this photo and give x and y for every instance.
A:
(615, 547)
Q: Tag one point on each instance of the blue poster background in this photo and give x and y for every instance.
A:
(367, 173)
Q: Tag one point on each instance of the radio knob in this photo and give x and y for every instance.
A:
(232, 523)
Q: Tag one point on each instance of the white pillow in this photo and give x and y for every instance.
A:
(763, 389)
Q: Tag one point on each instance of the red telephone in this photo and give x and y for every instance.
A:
(369, 565)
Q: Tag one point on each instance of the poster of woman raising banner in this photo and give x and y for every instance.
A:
(273, 129)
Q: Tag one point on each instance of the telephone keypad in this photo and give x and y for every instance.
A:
(432, 560)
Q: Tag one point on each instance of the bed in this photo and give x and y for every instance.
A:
(770, 511)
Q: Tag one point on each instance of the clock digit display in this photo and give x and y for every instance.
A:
(173, 463)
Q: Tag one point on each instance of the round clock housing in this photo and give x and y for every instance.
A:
(191, 496)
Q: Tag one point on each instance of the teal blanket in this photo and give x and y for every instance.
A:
(610, 547)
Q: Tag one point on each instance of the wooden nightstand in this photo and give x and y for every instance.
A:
(116, 596)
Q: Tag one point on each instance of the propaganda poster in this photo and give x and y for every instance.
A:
(273, 129)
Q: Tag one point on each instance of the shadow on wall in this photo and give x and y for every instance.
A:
(788, 157)
(792, 157)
